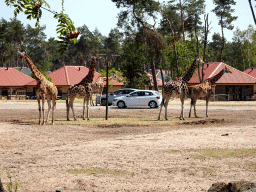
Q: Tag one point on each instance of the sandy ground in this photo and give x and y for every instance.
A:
(166, 158)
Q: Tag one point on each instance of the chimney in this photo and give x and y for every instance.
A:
(79, 69)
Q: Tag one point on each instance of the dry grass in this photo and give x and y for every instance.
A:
(100, 171)
(217, 153)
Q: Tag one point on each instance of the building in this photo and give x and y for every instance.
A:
(252, 72)
(235, 86)
(12, 83)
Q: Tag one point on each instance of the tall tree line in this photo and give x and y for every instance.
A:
(172, 44)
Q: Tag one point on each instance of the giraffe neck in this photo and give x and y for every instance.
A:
(89, 77)
(190, 72)
(37, 74)
(217, 76)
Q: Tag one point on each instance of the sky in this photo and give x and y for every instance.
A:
(102, 14)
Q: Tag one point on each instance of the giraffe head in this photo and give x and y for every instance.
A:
(199, 60)
(96, 58)
(226, 70)
(20, 55)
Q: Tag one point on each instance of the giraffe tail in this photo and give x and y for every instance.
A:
(67, 101)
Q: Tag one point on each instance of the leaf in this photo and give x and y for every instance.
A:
(29, 17)
(27, 12)
(75, 40)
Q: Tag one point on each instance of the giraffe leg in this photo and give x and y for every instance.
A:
(191, 103)
(67, 107)
(161, 105)
(71, 104)
(166, 106)
(194, 104)
(207, 101)
(84, 108)
(87, 109)
(182, 107)
(49, 108)
(39, 108)
(43, 99)
(53, 107)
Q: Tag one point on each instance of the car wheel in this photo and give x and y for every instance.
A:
(152, 104)
(121, 104)
(103, 102)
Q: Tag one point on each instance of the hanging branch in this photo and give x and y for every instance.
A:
(33, 10)
(250, 2)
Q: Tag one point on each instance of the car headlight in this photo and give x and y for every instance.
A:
(114, 99)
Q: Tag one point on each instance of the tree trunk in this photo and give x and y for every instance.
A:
(183, 28)
(153, 70)
(197, 48)
(250, 2)
(176, 58)
(223, 40)
(206, 31)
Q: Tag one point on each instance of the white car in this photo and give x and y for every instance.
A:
(139, 98)
(112, 96)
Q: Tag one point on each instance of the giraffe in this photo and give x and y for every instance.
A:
(82, 90)
(178, 88)
(204, 89)
(97, 87)
(44, 89)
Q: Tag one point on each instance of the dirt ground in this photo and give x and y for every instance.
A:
(172, 156)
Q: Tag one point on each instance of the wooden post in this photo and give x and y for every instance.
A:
(107, 93)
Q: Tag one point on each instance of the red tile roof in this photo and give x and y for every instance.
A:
(70, 75)
(236, 77)
(250, 71)
(13, 77)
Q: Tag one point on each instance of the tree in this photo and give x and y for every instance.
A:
(134, 18)
(134, 13)
(133, 61)
(223, 12)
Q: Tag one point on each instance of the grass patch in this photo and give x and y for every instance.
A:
(224, 153)
(111, 122)
(99, 171)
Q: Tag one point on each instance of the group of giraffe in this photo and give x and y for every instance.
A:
(179, 88)
(47, 90)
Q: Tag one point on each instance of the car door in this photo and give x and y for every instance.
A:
(147, 98)
(132, 99)
(141, 99)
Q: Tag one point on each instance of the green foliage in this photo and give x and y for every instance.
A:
(133, 12)
(223, 12)
(112, 71)
(45, 75)
(11, 186)
(133, 61)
